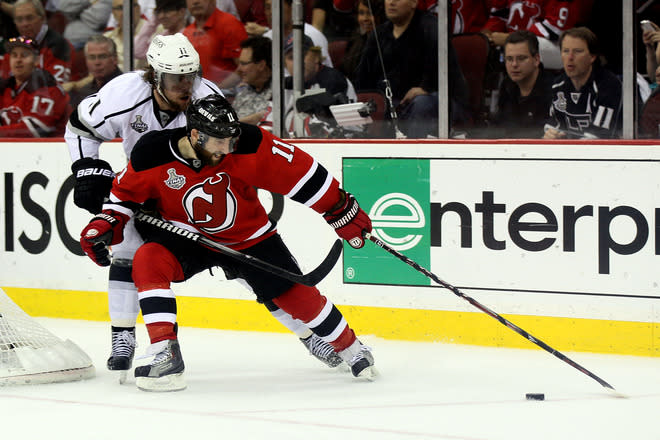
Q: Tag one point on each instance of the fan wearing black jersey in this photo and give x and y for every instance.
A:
(127, 107)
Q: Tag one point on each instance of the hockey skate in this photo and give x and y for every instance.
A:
(165, 371)
(123, 350)
(360, 359)
(321, 350)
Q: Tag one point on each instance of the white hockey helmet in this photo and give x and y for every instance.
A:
(172, 54)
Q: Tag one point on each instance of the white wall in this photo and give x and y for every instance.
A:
(601, 278)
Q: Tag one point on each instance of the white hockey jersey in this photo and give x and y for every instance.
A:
(123, 108)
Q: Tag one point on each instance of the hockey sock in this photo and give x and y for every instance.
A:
(318, 313)
(160, 331)
(116, 329)
(294, 325)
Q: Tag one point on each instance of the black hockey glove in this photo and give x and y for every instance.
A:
(93, 182)
(349, 220)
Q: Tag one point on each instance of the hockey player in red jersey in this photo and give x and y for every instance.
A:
(204, 178)
(31, 102)
(129, 106)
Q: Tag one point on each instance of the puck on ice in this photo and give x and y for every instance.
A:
(535, 396)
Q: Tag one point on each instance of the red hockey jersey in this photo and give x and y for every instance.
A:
(221, 201)
(468, 15)
(37, 108)
(546, 18)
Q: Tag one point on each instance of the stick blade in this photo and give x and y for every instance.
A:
(317, 275)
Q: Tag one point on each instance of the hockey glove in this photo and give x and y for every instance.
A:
(349, 220)
(103, 230)
(93, 183)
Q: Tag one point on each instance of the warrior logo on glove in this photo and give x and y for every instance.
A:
(349, 220)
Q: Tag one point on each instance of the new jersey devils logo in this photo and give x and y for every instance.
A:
(210, 205)
(11, 115)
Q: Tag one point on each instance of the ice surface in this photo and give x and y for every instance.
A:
(249, 385)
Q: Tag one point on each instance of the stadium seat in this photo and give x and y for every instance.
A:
(379, 128)
(337, 51)
(79, 65)
(57, 21)
(472, 51)
(649, 122)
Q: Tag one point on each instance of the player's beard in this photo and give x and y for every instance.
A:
(207, 158)
(180, 103)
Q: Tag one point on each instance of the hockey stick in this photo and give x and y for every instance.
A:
(491, 313)
(310, 279)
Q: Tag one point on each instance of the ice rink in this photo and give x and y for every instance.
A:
(244, 385)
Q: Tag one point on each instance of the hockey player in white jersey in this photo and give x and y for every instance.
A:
(127, 107)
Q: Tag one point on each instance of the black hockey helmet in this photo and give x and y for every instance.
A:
(214, 116)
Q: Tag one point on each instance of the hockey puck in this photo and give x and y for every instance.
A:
(535, 396)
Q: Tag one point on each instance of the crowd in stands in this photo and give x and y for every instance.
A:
(535, 68)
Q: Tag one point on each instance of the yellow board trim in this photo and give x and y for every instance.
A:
(564, 334)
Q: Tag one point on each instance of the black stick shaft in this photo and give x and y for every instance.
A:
(488, 311)
(310, 279)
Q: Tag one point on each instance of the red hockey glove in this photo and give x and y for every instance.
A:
(103, 230)
(349, 220)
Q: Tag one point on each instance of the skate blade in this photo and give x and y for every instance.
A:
(171, 382)
(370, 373)
(343, 368)
(122, 376)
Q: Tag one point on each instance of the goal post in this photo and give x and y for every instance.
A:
(31, 354)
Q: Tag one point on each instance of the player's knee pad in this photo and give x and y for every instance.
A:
(154, 266)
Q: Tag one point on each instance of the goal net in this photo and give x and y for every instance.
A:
(30, 354)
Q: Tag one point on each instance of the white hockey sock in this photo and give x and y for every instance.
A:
(295, 325)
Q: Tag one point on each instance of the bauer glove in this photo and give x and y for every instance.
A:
(93, 183)
(349, 220)
(103, 230)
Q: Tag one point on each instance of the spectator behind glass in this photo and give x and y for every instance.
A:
(366, 24)
(335, 25)
(545, 18)
(651, 39)
(117, 34)
(84, 19)
(217, 36)
(54, 50)
(170, 17)
(32, 104)
(338, 89)
(586, 98)
(468, 16)
(524, 98)
(316, 74)
(287, 27)
(409, 46)
(254, 95)
(102, 64)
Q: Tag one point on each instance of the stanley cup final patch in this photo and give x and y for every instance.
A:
(139, 125)
(175, 181)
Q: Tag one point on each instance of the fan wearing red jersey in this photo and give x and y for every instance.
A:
(55, 52)
(204, 178)
(545, 18)
(31, 102)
